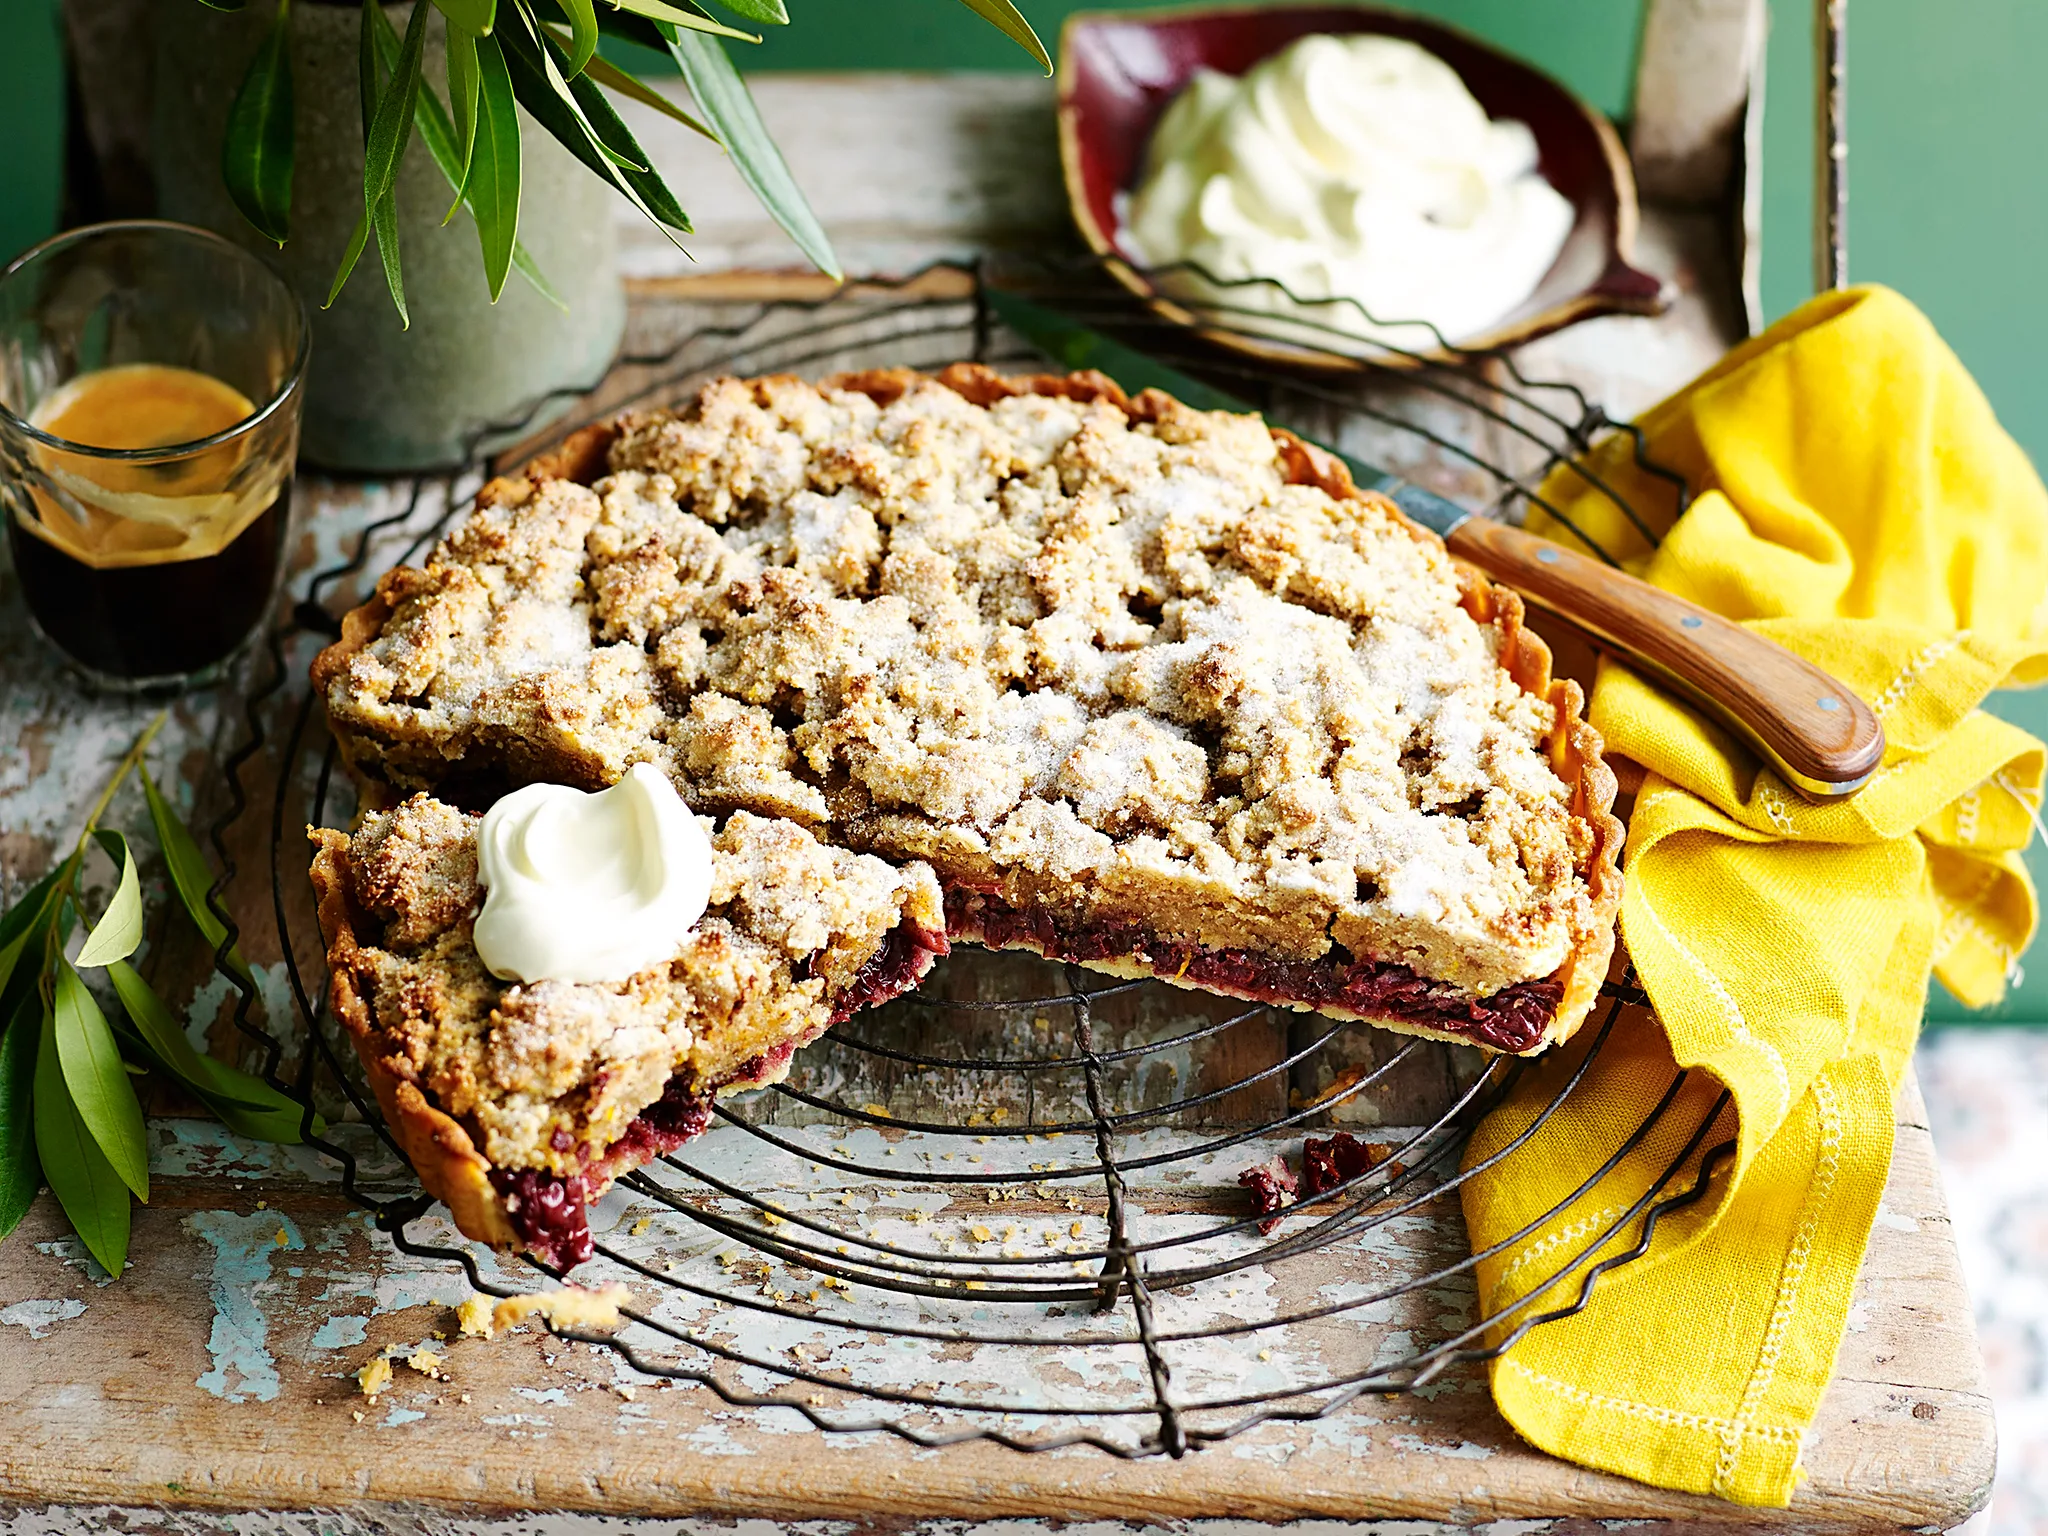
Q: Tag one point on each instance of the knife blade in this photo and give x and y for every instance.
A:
(1823, 740)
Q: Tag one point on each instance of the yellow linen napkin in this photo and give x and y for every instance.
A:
(1856, 501)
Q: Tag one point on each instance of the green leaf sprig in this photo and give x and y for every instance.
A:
(541, 55)
(69, 1116)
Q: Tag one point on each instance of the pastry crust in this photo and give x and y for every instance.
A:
(436, 1145)
(1568, 744)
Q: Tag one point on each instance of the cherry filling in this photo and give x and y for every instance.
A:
(1273, 1186)
(1325, 1164)
(1512, 1019)
(906, 955)
(548, 1210)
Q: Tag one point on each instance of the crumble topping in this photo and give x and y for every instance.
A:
(1117, 668)
(546, 1076)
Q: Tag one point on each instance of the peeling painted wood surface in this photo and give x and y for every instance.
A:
(218, 1375)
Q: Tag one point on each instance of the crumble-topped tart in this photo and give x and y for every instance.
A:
(1152, 689)
(518, 1103)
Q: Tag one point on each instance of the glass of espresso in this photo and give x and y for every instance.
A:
(150, 383)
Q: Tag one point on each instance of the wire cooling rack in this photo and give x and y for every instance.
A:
(1006, 1207)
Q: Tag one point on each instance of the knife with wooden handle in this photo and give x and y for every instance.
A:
(1823, 740)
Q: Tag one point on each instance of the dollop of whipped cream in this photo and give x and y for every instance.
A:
(1357, 168)
(589, 887)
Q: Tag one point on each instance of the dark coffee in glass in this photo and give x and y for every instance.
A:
(149, 405)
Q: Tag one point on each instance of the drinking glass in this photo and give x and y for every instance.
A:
(149, 545)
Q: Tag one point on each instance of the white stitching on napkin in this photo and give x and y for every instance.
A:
(1729, 1007)
(1902, 685)
(1774, 807)
(1550, 1244)
(1962, 922)
(1966, 816)
(1820, 1194)
(1776, 1432)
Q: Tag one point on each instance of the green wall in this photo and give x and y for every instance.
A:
(31, 122)
(1591, 43)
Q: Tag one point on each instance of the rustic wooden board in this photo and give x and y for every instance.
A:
(218, 1374)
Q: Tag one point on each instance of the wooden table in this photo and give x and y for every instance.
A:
(218, 1374)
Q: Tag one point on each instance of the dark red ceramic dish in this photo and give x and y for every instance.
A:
(1119, 69)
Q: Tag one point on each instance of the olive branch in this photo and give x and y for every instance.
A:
(69, 1116)
(540, 55)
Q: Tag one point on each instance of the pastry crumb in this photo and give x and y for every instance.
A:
(374, 1377)
(570, 1307)
(426, 1362)
(475, 1317)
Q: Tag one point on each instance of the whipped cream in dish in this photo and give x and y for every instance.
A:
(589, 887)
(1354, 168)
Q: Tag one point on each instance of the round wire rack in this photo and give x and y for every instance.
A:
(1006, 1208)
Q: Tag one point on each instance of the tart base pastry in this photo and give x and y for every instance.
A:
(1155, 690)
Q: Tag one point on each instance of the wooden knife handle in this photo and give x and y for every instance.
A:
(1823, 739)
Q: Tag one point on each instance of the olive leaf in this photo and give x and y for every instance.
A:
(619, 145)
(723, 97)
(20, 1172)
(30, 920)
(494, 170)
(368, 87)
(384, 223)
(119, 929)
(475, 17)
(462, 104)
(550, 100)
(256, 149)
(24, 935)
(190, 875)
(99, 1085)
(68, 1112)
(613, 78)
(379, 217)
(391, 125)
(612, 148)
(243, 1100)
(384, 148)
(690, 17)
(1008, 20)
(28, 907)
(357, 239)
(583, 33)
(768, 11)
(438, 134)
(12, 951)
(93, 1195)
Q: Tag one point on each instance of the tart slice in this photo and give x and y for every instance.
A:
(1152, 689)
(518, 1104)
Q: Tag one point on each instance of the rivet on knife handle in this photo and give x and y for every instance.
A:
(1820, 737)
